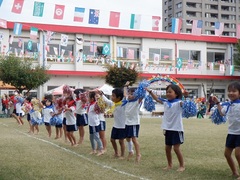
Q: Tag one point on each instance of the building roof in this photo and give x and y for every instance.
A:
(6, 86)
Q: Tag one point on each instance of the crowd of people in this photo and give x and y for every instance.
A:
(73, 111)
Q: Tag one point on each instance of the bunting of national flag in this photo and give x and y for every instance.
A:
(55, 51)
(130, 54)
(93, 16)
(219, 26)
(79, 14)
(49, 36)
(17, 6)
(179, 63)
(135, 21)
(29, 45)
(93, 46)
(33, 33)
(176, 25)
(59, 11)
(114, 19)
(3, 23)
(119, 52)
(155, 23)
(19, 42)
(156, 59)
(1, 2)
(231, 70)
(221, 68)
(197, 27)
(38, 9)
(106, 49)
(17, 30)
(64, 40)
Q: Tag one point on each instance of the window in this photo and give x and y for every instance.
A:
(215, 56)
(165, 54)
(179, 5)
(189, 55)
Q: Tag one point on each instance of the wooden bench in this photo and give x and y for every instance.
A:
(155, 113)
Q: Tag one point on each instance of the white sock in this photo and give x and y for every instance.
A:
(130, 146)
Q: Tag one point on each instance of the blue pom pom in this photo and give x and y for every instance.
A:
(53, 121)
(217, 118)
(59, 120)
(140, 92)
(149, 104)
(189, 109)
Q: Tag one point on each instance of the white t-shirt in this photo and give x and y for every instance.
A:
(172, 118)
(93, 118)
(132, 113)
(233, 117)
(47, 114)
(70, 116)
(79, 108)
(118, 114)
(18, 107)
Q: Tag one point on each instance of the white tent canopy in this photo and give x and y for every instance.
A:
(57, 91)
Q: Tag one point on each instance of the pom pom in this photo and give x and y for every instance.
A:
(217, 118)
(101, 105)
(189, 109)
(140, 92)
(59, 103)
(59, 120)
(52, 121)
(67, 90)
(36, 118)
(149, 104)
(97, 109)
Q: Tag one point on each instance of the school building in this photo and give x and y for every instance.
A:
(77, 56)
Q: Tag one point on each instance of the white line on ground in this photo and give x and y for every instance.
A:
(79, 155)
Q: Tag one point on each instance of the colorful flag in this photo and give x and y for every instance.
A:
(49, 36)
(114, 19)
(231, 70)
(38, 9)
(79, 14)
(156, 58)
(166, 57)
(55, 50)
(219, 28)
(179, 63)
(130, 54)
(29, 45)
(33, 33)
(197, 27)
(19, 42)
(190, 64)
(17, 30)
(93, 46)
(135, 21)
(1, 2)
(176, 25)
(221, 68)
(155, 23)
(17, 6)
(119, 52)
(106, 49)
(3, 23)
(64, 40)
(59, 11)
(238, 31)
(93, 16)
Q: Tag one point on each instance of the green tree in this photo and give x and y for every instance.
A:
(118, 76)
(22, 74)
(236, 56)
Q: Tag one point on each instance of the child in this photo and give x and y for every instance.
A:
(19, 102)
(172, 124)
(69, 109)
(131, 108)
(202, 110)
(35, 115)
(102, 125)
(27, 108)
(81, 114)
(58, 115)
(47, 115)
(94, 128)
(232, 112)
(118, 129)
